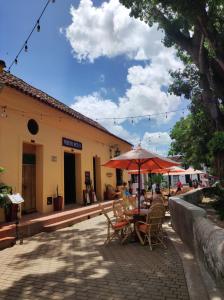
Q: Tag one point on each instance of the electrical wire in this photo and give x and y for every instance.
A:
(142, 116)
(23, 112)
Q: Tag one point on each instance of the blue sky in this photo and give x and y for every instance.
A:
(92, 56)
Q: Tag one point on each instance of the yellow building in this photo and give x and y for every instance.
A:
(45, 145)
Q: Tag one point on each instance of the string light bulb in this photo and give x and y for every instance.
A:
(38, 25)
(149, 118)
(16, 61)
(166, 115)
(26, 47)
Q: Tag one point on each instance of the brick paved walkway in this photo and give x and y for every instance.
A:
(73, 263)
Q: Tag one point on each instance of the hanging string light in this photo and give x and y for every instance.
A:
(25, 44)
(38, 25)
(26, 47)
(132, 118)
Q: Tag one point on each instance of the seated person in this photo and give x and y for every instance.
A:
(143, 199)
(126, 192)
(111, 193)
(157, 198)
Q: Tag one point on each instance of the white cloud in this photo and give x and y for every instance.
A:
(156, 140)
(109, 31)
(143, 97)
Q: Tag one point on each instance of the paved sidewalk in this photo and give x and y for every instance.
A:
(73, 263)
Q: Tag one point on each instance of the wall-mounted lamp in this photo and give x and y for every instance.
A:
(117, 152)
(2, 65)
(110, 150)
(3, 112)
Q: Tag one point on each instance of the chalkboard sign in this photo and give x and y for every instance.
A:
(71, 144)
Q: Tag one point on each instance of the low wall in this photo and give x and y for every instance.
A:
(204, 238)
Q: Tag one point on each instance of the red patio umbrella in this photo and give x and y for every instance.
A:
(140, 158)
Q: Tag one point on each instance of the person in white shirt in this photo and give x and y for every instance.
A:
(154, 187)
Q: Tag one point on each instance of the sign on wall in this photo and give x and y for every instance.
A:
(71, 143)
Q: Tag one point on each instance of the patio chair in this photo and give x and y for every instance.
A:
(120, 230)
(118, 210)
(132, 202)
(151, 230)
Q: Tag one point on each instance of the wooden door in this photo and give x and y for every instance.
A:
(29, 187)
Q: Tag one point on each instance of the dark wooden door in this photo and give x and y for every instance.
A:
(29, 183)
(69, 178)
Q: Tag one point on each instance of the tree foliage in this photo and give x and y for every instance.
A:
(196, 30)
(191, 136)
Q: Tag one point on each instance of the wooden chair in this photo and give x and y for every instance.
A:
(120, 230)
(151, 230)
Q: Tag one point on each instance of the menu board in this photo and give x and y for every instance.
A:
(15, 198)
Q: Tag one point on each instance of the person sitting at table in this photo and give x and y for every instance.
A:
(157, 197)
(125, 190)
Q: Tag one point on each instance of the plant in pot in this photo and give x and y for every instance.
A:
(58, 201)
(4, 202)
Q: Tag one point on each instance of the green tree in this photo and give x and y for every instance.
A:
(196, 30)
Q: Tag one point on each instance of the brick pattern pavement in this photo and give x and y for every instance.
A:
(73, 263)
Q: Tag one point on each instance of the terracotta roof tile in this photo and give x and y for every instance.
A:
(20, 85)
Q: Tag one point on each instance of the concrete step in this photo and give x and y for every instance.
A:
(72, 221)
(7, 242)
(49, 223)
(7, 231)
(64, 215)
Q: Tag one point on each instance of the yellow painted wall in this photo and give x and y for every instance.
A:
(53, 125)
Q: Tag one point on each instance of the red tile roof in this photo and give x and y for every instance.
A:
(20, 85)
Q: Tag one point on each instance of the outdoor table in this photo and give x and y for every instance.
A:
(132, 212)
(137, 216)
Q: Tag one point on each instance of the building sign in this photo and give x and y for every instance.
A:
(71, 144)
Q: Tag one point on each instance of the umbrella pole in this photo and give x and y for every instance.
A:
(169, 182)
(139, 186)
(150, 175)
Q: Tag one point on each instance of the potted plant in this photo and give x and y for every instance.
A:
(4, 202)
(58, 201)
